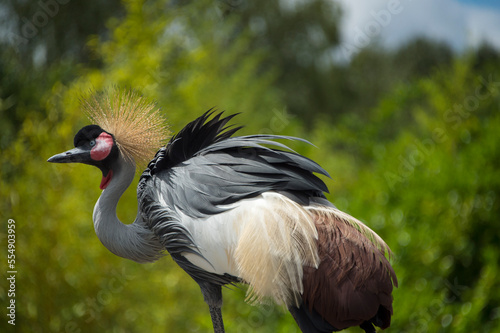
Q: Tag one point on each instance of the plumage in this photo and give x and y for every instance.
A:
(354, 280)
(238, 209)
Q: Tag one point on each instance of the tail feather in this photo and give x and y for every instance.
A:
(310, 321)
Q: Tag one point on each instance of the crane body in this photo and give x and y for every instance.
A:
(237, 209)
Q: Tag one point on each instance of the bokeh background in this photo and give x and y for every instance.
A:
(406, 124)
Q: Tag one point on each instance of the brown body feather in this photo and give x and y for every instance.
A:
(354, 280)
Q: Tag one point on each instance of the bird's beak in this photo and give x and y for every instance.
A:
(75, 155)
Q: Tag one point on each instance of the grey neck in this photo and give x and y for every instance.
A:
(131, 241)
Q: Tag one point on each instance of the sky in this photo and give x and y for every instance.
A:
(461, 23)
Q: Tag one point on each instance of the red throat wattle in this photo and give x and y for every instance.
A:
(106, 180)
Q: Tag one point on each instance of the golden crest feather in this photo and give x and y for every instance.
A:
(137, 125)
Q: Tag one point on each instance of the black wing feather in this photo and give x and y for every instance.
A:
(194, 137)
(205, 168)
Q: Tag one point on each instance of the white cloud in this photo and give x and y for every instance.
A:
(483, 25)
(392, 22)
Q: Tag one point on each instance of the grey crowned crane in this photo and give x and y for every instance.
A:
(228, 210)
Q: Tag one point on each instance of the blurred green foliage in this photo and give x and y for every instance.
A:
(409, 137)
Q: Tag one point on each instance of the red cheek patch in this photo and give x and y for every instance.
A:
(102, 148)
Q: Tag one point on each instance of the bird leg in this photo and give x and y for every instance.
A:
(216, 314)
(368, 327)
(212, 294)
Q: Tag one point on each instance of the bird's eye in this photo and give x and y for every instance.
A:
(92, 143)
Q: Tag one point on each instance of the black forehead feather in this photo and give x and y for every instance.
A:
(87, 133)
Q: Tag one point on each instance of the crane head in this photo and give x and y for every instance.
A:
(93, 146)
(137, 128)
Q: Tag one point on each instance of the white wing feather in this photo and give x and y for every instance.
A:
(265, 241)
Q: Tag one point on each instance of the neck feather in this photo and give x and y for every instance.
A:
(132, 241)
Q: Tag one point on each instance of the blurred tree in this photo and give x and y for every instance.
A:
(299, 37)
(48, 31)
(421, 58)
(41, 43)
(357, 87)
(409, 135)
(484, 57)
